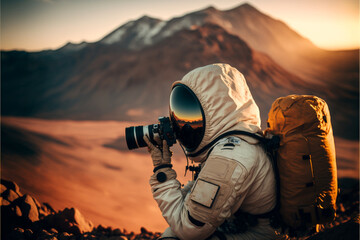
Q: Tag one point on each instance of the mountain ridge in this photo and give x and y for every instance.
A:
(263, 33)
(112, 81)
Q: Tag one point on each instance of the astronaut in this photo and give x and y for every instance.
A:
(235, 189)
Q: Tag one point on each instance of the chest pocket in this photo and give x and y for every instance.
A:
(214, 193)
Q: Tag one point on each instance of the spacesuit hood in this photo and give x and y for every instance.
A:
(226, 101)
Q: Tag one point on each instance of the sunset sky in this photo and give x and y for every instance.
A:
(49, 24)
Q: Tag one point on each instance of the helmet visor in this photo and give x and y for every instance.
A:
(187, 117)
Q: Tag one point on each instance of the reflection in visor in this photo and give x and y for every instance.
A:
(187, 117)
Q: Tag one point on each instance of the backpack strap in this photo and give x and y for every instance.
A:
(269, 144)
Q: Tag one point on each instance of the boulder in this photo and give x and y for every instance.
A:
(17, 211)
(38, 205)
(28, 208)
(4, 202)
(117, 232)
(20, 211)
(10, 185)
(45, 209)
(2, 188)
(10, 195)
(69, 220)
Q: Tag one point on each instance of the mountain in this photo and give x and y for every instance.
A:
(128, 74)
(261, 32)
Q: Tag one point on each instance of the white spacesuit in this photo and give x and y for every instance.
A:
(236, 174)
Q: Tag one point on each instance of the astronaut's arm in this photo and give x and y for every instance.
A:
(171, 202)
(210, 202)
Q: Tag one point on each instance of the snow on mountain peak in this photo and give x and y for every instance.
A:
(117, 34)
(244, 21)
(136, 33)
(153, 32)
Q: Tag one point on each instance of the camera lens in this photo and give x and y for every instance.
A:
(135, 136)
(155, 132)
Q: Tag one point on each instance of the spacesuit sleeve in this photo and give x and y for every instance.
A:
(210, 201)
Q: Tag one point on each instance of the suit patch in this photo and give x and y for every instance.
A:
(204, 193)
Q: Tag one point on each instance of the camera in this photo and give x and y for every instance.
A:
(155, 132)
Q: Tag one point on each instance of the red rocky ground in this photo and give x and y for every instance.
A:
(24, 218)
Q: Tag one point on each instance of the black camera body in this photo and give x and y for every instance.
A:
(155, 132)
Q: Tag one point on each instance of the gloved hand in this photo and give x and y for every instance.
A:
(159, 157)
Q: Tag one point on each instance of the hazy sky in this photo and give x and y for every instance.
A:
(43, 24)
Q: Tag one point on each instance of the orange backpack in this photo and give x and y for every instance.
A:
(305, 160)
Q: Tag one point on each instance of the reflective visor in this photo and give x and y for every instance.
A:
(187, 117)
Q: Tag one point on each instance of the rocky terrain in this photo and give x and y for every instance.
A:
(24, 218)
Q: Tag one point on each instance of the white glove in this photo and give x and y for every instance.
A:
(159, 156)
